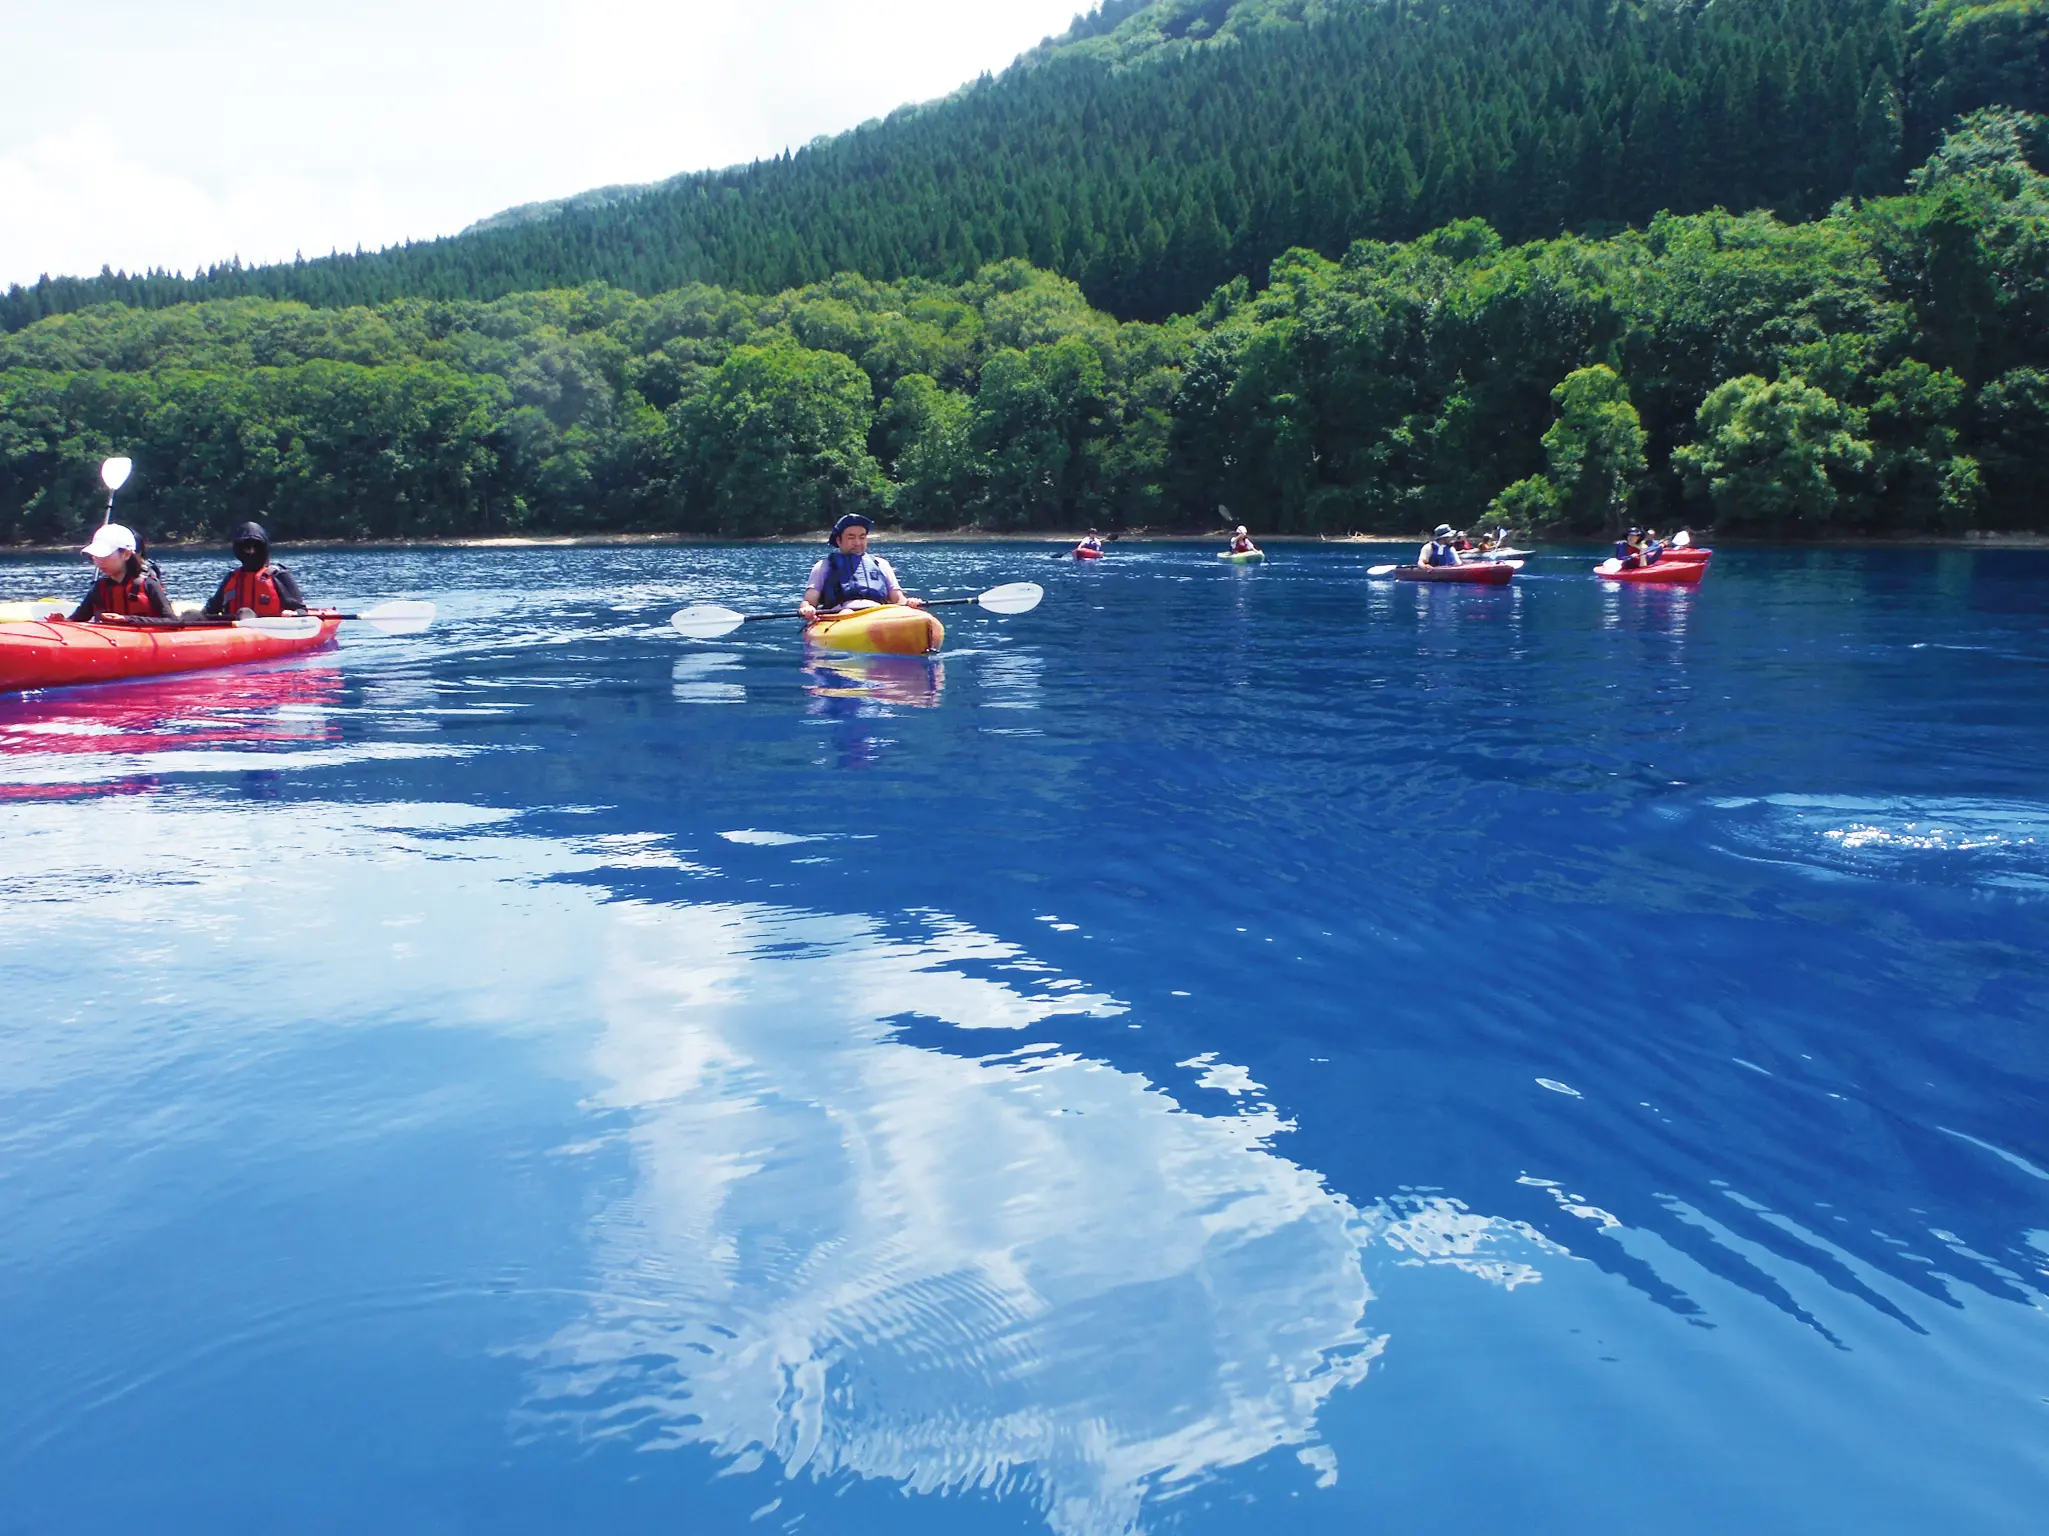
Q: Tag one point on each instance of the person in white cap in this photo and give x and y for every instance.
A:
(126, 589)
(1241, 541)
(1440, 549)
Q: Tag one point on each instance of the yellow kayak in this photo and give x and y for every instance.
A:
(37, 608)
(887, 627)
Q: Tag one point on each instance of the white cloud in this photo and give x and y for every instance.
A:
(149, 135)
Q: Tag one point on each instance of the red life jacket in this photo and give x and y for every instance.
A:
(123, 598)
(254, 590)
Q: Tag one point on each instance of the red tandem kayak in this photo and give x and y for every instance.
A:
(56, 653)
(1479, 575)
(1666, 573)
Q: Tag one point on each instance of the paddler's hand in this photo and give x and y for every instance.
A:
(912, 602)
(806, 612)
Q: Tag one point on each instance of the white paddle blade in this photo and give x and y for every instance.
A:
(287, 626)
(1609, 566)
(1681, 539)
(1513, 565)
(114, 473)
(707, 621)
(399, 618)
(1018, 597)
(1380, 570)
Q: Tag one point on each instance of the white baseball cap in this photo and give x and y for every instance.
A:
(110, 540)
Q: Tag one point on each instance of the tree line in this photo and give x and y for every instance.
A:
(1882, 368)
(1158, 151)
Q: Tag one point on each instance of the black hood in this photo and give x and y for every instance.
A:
(252, 532)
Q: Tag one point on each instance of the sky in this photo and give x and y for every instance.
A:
(140, 133)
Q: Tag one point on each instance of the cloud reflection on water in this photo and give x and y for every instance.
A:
(859, 1256)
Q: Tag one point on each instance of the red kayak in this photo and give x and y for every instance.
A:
(1477, 575)
(1666, 573)
(1691, 555)
(1087, 554)
(56, 653)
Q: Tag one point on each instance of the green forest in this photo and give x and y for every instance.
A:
(1340, 267)
(1162, 150)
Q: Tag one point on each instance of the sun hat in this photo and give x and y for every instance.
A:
(112, 539)
(849, 520)
(1239, 531)
(1442, 531)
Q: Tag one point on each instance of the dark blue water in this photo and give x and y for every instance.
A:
(1231, 1051)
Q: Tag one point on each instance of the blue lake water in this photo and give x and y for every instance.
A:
(1234, 1050)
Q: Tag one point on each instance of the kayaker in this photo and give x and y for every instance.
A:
(1629, 549)
(850, 574)
(1091, 543)
(1652, 547)
(1241, 541)
(1440, 550)
(255, 586)
(125, 588)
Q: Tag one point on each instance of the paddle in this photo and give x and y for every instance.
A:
(113, 475)
(708, 621)
(399, 618)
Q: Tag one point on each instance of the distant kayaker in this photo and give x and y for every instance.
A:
(255, 586)
(1652, 547)
(1440, 550)
(850, 574)
(1091, 543)
(125, 588)
(1241, 541)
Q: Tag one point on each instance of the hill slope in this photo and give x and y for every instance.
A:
(1157, 151)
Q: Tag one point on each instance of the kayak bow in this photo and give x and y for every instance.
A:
(57, 653)
(887, 627)
(1484, 575)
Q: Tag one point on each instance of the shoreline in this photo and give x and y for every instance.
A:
(1974, 540)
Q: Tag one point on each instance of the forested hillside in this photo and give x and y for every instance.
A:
(1884, 368)
(1161, 150)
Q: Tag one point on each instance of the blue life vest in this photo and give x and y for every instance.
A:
(1441, 554)
(849, 578)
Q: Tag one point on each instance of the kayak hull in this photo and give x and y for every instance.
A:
(887, 629)
(1088, 554)
(1242, 557)
(59, 654)
(1666, 573)
(1471, 575)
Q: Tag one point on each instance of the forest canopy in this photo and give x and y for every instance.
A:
(1158, 151)
(1883, 368)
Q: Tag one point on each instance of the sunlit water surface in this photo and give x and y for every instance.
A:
(1235, 1050)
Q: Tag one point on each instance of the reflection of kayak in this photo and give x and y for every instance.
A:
(1087, 554)
(1242, 556)
(59, 653)
(280, 707)
(1479, 573)
(917, 681)
(887, 627)
(1666, 573)
(36, 608)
